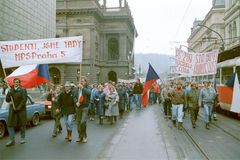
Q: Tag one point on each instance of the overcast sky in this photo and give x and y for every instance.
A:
(162, 24)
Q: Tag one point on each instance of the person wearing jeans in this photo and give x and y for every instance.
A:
(177, 114)
(17, 97)
(137, 91)
(178, 99)
(67, 107)
(206, 99)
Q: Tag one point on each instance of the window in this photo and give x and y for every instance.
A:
(113, 49)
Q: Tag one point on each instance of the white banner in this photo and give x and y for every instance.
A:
(196, 64)
(42, 51)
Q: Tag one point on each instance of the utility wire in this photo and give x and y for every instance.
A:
(181, 22)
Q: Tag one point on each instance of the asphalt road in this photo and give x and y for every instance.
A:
(140, 135)
(40, 145)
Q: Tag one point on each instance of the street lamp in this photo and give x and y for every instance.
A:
(222, 46)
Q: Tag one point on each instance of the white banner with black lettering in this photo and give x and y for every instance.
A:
(42, 51)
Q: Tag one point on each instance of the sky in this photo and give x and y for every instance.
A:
(163, 25)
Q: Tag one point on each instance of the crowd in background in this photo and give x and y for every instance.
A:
(109, 101)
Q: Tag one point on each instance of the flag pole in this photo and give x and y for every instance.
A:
(5, 75)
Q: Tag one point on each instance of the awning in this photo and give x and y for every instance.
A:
(229, 63)
(229, 54)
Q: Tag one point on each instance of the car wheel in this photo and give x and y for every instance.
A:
(35, 119)
(2, 129)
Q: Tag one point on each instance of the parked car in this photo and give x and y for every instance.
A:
(34, 112)
(48, 104)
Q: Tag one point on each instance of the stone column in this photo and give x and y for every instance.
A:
(92, 75)
(105, 3)
(123, 47)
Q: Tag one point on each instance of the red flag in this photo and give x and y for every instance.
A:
(30, 75)
(150, 79)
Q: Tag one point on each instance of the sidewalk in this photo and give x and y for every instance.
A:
(142, 137)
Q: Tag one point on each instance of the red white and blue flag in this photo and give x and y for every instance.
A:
(30, 75)
(152, 77)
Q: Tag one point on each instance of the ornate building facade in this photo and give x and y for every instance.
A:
(229, 60)
(224, 19)
(108, 40)
(232, 23)
(208, 34)
(203, 39)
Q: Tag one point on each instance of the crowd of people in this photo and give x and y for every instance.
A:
(109, 101)
(180, 98)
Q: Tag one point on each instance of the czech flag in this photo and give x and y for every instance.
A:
(150, 79)
(30, 75)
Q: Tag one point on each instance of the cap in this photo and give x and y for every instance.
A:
(67, 84)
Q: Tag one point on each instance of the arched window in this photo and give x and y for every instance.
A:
(55, 75)
(113, 49)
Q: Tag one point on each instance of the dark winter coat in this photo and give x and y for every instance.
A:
(55, 105)
(86, 93)
(99, 99)
(18, 116)
(122, 99)
(66, 103)
(138, 88)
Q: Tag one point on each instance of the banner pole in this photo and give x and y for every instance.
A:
(5, 76)
(80, 72)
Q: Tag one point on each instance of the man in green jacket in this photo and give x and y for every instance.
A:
(191, 101)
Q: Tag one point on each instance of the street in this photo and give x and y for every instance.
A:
(141, 134)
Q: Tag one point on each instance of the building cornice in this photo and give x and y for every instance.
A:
(99, 13)
(207, 17)
(232, 10)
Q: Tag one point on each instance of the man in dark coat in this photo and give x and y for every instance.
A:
(55, 110)
(67, 107)
(17, 97)
(137, 91)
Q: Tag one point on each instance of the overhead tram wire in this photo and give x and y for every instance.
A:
(181, 22)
